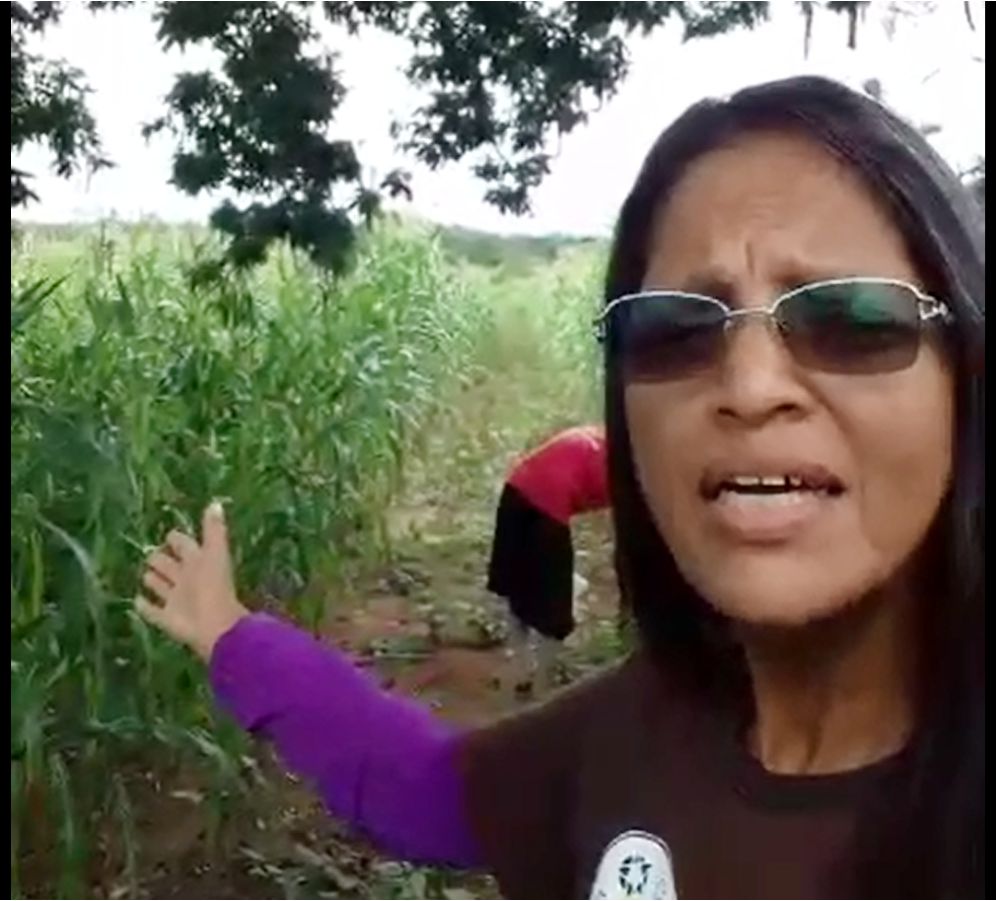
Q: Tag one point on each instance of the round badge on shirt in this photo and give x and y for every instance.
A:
(635, 865)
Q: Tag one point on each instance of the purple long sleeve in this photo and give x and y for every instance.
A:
(383, 763)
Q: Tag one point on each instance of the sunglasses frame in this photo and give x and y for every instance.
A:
(929, 307)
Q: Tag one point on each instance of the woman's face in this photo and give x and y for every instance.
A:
(747, 223)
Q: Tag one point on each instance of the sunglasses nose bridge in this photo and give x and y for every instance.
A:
(741, 317)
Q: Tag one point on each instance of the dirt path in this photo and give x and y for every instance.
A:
(434, 633)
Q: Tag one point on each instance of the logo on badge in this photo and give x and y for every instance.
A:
(635, 865)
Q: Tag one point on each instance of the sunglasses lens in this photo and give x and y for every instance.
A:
(665, 336)
(852, 327)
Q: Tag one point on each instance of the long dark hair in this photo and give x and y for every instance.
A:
(928, 841)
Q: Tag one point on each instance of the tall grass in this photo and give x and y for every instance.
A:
(134, 400)
(307, 404)
(538, 370)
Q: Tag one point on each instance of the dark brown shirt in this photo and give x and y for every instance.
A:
(627, 754)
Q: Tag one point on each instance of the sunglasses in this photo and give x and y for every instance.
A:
(851, 326)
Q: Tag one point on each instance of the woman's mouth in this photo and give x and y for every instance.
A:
(770, 503)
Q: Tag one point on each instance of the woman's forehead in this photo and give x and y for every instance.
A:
(772, 207)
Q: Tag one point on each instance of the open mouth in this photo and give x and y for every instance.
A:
(791, 484)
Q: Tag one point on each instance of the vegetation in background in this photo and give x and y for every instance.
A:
(518, 254)
(305, 402)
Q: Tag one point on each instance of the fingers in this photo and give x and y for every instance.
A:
(213, 529)
(158, 585)
(164, 564)
(181, 545)
(151, 613)
(214, 534)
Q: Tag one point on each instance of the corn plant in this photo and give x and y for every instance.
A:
(136, 398)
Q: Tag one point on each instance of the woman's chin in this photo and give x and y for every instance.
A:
(783, 597)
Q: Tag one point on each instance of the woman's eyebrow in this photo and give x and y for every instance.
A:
(710, 282)
(723, 286)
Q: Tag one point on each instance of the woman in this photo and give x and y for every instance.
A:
(794, 346)
(532, 555)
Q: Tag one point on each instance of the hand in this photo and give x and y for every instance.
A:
(191, 585)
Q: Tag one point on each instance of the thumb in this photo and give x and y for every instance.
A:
(214, 531)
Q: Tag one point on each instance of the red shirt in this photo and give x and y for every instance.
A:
(566, 476)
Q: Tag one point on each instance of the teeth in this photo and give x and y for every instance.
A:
(766, 481)
(768, 485)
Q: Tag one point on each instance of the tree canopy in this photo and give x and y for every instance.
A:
(501, 80)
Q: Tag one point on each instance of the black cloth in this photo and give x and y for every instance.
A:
(532, 565)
